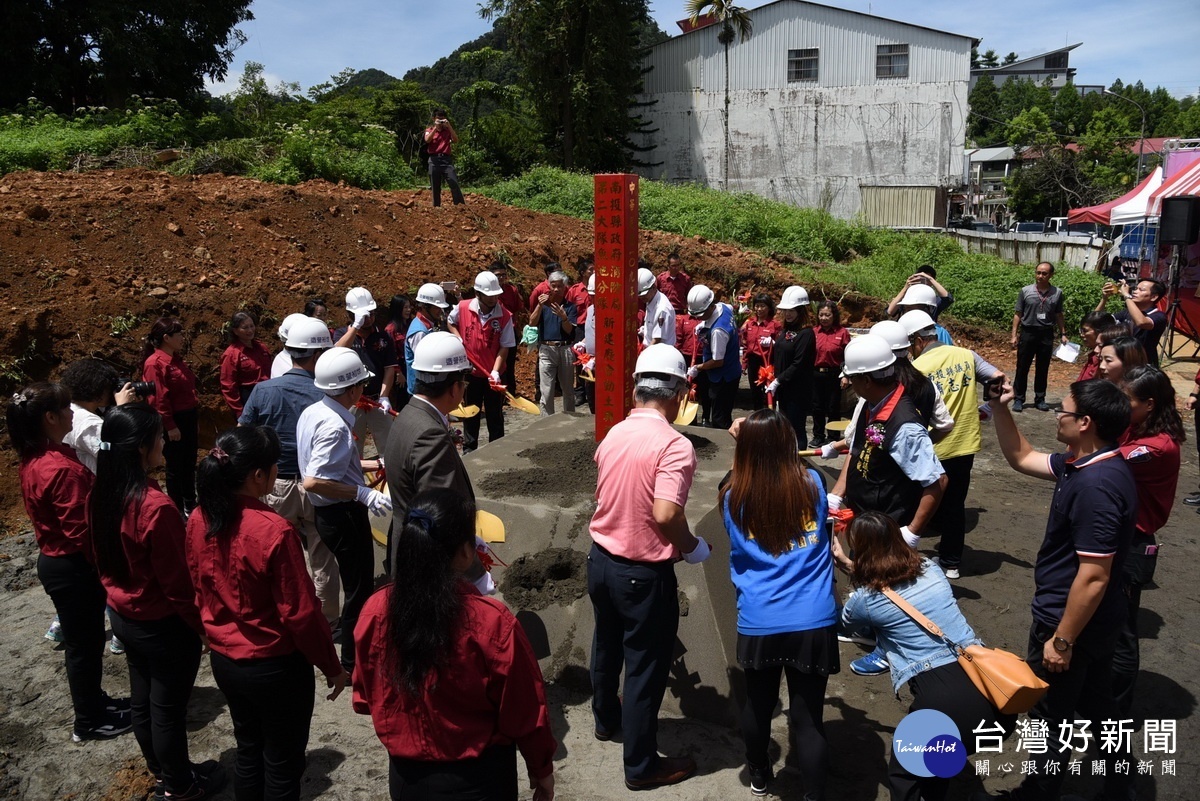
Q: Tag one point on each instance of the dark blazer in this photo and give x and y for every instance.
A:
(420, 455)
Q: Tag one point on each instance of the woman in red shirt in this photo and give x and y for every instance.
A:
(244, 363)
(447, 675)
(1089, 330)
(400, 312)
(1151, 449)
(758, 338)
(55, 486)
(260, 612)
(175, 399)
(827, 382)
(138, 542)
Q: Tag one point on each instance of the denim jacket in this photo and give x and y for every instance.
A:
(910, 649)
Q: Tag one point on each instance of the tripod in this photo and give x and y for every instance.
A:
(1176, 313)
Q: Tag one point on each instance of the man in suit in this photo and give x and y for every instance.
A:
(422, 454)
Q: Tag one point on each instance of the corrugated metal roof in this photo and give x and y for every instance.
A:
(992, 154)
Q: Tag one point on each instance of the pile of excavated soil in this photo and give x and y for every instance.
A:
(553, 576)
(562, 470)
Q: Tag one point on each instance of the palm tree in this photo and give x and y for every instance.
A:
(735, 22)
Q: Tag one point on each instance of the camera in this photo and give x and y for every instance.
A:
(143, 389)
(994, 388)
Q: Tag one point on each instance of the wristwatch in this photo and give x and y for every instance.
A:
(1062, 644)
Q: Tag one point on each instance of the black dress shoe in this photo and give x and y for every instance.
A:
(670, 770)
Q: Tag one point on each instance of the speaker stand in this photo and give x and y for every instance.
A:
(1176, 315)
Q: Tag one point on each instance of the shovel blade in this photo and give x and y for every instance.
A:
(463, 412)
(523, 404)
(488, 527)
(687, 413)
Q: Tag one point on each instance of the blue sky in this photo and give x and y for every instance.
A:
(306, 41)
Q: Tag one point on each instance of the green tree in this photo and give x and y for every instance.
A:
(989, 59)
(735, 23)
(1011, 58)
(1109, 164)
(257, 106)
(986, 126)
(1069, 112)
(1187, 123)
(70, 53)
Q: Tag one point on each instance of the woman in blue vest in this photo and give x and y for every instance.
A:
(782, 569)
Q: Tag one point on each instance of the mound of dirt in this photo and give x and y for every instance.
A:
(562, 470)
(553, 576)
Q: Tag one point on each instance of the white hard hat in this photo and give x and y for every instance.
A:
(793, 297)
(919, 295)
(338, 368)
(645, 280)
(591, 287)
(486, 283)
(359, 300)
(699, 299)
(868, 353)
(663, 359)
(434, 295)
(309, 334)
(893, 332)
(440, 352)
(287, 324)
(916, 320)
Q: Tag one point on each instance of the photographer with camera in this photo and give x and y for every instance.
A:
(94, 385)
(439, 137)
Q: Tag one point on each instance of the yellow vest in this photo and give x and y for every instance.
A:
(953, 370)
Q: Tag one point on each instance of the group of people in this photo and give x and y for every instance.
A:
(262, 553)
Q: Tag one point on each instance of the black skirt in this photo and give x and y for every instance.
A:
(810, 651)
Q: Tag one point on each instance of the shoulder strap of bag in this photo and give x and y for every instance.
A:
(920, 619)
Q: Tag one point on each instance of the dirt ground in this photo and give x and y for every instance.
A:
(82, 256)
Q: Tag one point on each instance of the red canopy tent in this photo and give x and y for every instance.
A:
(1102, 213)
(1184, 182)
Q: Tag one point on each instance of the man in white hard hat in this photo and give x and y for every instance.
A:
(278, 403)
(925, 275)
(956, 372)
(486, 329)
(922, 297)
(638, 536)
(554, 318)
(660, 317)
(283, 362)
(332, 475)
(511, 299)
(430, 315)
(377, 350)
(720, 362)
(891, 467)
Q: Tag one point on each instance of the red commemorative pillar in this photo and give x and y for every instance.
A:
(616, 253)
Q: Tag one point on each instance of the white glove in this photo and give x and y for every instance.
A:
(386, 404)
(699, 553)
(910, 539)
(590, 364)
(495, 377)
(360, 320)
(580, 348)
(766, 342)
(828, 451)
(834, 501)
(484, 584)
(693, 371)
(379, 503)
(773, 387)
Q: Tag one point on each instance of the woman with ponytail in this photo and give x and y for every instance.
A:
(55, 487)
(138, 541)
(260, 610)
(447, 674)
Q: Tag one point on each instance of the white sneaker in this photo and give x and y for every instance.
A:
(951, 572)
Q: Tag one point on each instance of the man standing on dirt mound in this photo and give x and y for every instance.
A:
(486, 329)
(439, 138)
(639, 532)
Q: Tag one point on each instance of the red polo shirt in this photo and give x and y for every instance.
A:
(1155, 465)
(577, 293)
(175, 385)
(159, 584)
(254, 592)
(510, 298)
(243, 366)
(676, 289)
(831, 346)
(489, 692)
(753, 330)
(55, 487)
(541, 289)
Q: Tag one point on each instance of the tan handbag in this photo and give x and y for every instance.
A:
(1004, 678)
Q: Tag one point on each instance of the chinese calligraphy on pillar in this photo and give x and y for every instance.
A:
(616, 253)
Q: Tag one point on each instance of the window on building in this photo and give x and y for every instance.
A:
(891, 61)
(1056, 61)
(802, 65)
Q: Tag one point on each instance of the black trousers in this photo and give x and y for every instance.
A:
(1139, 572)
(510, 370)
(180, 457)
(492, 776)
(721, 396)
(441, 168)
(754, 363)
(1083, 692)
(948, 690)
(164, 657)
(806, 710)
(950, 519)
(1034, 346)
(480, 393)
(827, 400)
(345, 528)
(271, 706)
(636, 610)
(79, 598)
(793, 401)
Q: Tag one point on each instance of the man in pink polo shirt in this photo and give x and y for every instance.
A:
(639, 532)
